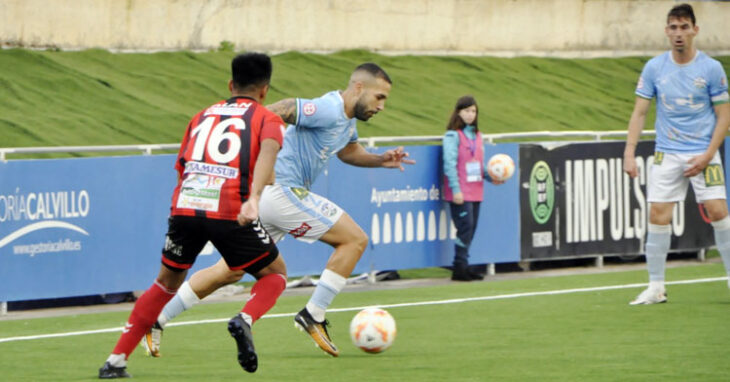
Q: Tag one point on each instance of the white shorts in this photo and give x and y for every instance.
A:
(668, 184)
(297, 211)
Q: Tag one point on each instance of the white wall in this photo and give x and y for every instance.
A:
(467, 26)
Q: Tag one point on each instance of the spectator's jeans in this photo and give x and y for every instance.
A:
(465, 218)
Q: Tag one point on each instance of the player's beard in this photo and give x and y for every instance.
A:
(361, 111)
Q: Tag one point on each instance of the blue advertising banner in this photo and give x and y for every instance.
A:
(408, 222)
(73, 227)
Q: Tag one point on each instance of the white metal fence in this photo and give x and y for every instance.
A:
(370, 142)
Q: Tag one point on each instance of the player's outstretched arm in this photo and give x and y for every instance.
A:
(262, 174)
(356, 155)
(636, 125)
(286, 109)
(699, 162)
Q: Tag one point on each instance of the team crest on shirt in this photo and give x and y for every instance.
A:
(309, 109)
(700, 83)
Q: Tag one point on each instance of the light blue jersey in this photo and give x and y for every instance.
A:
(685, 118)
(321, 130)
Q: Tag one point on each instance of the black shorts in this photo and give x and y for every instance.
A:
(246, 247)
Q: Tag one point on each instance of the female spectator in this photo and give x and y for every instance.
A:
(464, 168)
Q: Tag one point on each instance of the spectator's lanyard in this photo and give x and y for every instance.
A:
(472, 144)
(473, 167)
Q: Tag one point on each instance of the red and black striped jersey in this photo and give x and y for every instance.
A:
(217, 157)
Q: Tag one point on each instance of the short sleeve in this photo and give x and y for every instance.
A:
(718, 84)
(645, 85)
(354, 137)
(318, 112)
(273, 128)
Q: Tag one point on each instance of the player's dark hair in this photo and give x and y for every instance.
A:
(455, 122)
(682, 11)
(251, 69)
(375, 70)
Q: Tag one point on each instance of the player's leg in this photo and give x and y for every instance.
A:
(205, 281)
(709, 187)
(251, 249)
(717, 211)
(181, 247)
(201, 284)
(349, 242)
(666, 186)
(310, 217)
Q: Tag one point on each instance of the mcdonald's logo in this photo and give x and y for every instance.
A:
(658, 157)
(713, 175)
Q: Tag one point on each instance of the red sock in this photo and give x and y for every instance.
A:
(264, 294)
(143, 316)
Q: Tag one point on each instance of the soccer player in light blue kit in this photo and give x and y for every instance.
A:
(692, 118)
(318, 129)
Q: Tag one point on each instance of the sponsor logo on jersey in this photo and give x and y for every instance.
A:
(700, 83)
(309, 109)
(300, 193)
(658, 157)
(713, 175)
(211, 169)
(229, 109)
(301, 230)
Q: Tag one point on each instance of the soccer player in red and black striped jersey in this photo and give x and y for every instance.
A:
(226, 158)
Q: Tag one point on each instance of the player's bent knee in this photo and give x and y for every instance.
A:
(233, 276)
(361, 241)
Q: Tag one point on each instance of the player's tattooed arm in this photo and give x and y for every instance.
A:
(286, 109)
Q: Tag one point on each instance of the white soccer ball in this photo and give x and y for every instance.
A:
(372, 330)
(500, 167)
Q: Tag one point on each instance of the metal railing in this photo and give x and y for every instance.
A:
(146, 149)
(491, 138)
(370, 142)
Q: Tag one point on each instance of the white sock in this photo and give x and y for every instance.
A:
(117, 360)
(658, 241)
(328, 286)
(184, 299)
(722, 240)
(247, 318)
(657, 285)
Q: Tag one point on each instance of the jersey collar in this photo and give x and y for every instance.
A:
(697, 53)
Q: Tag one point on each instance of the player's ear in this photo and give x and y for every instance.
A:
(230, 85)
(263, 91)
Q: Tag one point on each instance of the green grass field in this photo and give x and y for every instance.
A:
(94, 97)
(578, 336)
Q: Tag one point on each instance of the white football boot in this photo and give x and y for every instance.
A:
(650, 295)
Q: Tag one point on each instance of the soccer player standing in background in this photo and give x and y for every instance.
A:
(226, 158)
(692, 118)
(318, 129)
